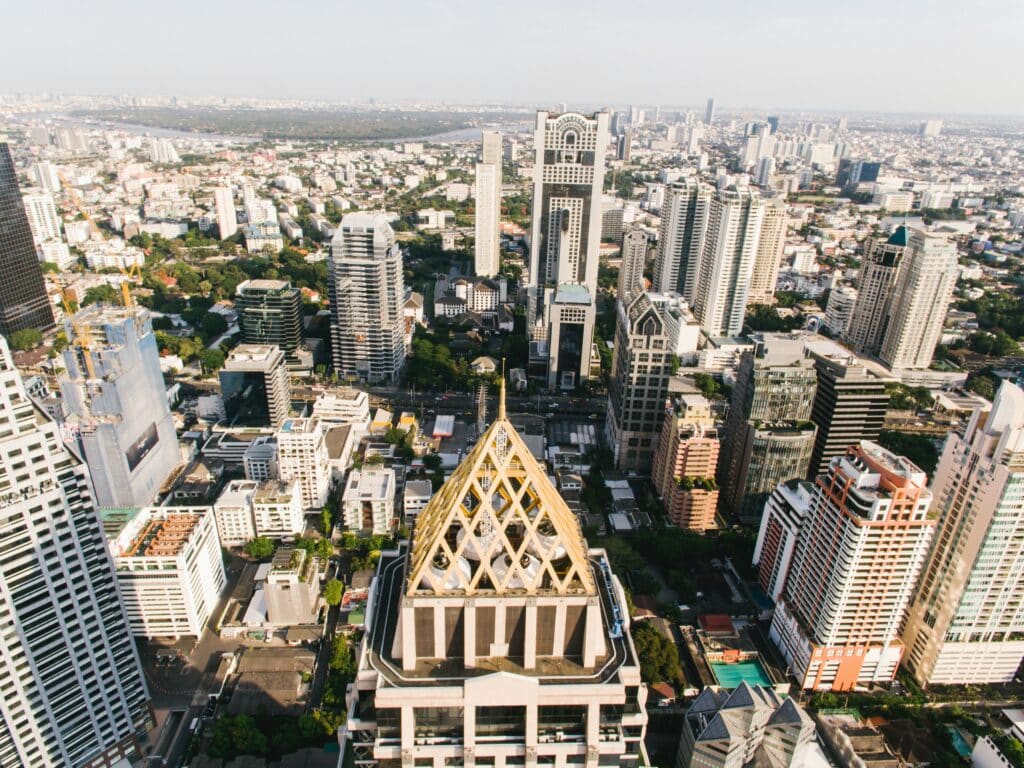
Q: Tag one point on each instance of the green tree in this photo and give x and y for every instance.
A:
(213, 325)
(211, 360)
(27, 338)
(260, 548)
(333, 590)
(105, 294)
(659, 657)
(60, 341)
(326, 521)
(238, 735)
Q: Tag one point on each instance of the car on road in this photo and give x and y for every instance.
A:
(552, 405)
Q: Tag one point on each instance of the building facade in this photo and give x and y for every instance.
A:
(368, 502)
(685, 463)
(224, 208)
(233, 513)
(270, 312)
(302, 456)
(878, 272)
(255, 386)
(23, 300)
(116, 402)
(487, 216)
(277, 509)
(74, 688)
(170, 570)
(784, 513)
(367, 293)
(772, 241)
(858, 555)
(966, 624)
(634, 259)
(681, 237)
(568, 178)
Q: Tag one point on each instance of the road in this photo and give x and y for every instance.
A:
(323, 660)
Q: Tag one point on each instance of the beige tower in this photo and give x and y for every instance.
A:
(769, 253)
(488, 206)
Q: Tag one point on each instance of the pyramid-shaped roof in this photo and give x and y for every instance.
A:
(898, 237)
(498, 526)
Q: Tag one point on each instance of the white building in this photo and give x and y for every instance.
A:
(233, 513)
(292, 589)
(277, 510)
(227, 218)
(260, 459)
(415, 497)
(170, 570)
(780, 525)
(894, 202)
(42, 216)
(343, 406)
(368, 503)
(46, 176)
(839, 310)
(162, 151)
(302, 456)
(488, 207)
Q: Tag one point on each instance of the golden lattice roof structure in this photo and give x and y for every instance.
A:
(498, 526)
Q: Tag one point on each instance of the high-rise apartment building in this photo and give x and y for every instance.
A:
(858, 555)
(255, 387)
(731, 239)
(652, 333)
(277, 509)
(920, 300)
(849, 406)
(530, 628)
(42, 216)
(685, 462)
(74, 690)
(768, 259)
(270, 312)
(878, 272)
(367, 293)
(842, 301)
(45, 176)
(170, 570)
(302, 456)
(23, 300)
(116, 404)
(568, 177)
(769, 436)
(488, 207)
(966, 623)
(224, 207)
(784, 513)
(634, 258)
(680, 241)
(709, 112)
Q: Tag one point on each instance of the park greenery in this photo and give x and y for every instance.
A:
(25, 339)
(659, 656)
(905, 398)
(260, 548)
(333, 591)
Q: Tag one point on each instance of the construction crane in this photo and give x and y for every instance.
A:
(133, 272)
(83, 335)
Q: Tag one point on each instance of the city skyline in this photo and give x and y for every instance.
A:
(852, 82)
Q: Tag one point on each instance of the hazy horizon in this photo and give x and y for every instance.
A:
(913, 58)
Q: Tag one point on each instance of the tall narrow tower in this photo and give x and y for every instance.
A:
(74, 691)
(683, 219)
(488, 206)
(878, 273)
(23, 300)
(634, 258)
(568, 176)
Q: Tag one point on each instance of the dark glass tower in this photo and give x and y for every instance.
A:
(23, 299)
(270, 312)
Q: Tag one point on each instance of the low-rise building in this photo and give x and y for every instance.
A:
(277, 510)
(368, 503)
(233, 513)
(414, 499)
(292, 589)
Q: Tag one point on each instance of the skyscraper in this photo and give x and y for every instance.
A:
(367, 291)
(769, 437)
(270, 312)
(23, 299)
(685, 462)
(849, 406)
(857, 557)
(634, 259)
(652, 331)
(255, 387)
(878, 273)
(768, 259)
(116, 402)
(966, 624)
(74, 687)
(683, 218)
(709, 113)
(730, 247)
(568, 176)
(488, 206)
(224, 206)
(497, 637)
(920, 300)
(784, 513)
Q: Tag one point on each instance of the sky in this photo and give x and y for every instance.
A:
(907, 56)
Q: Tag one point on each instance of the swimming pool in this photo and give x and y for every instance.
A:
(731, 675)
(959, 742)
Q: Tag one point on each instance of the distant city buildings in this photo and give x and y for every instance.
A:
(224, 208)
(488, 206)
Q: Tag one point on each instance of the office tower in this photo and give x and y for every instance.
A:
(920, 300)
(116, 403)
(624, 147)
(255, 387)
(769, 437)
(685, 462)
(23, 300)
(74, 686)
(367, 291)
(302, 456)
(277, 509)
(488, 206)
(42, 217)
(730, 246)
(878, 272)
(768, 259)
(270, 312)
(930, 128)
(224, 207)
(839, 311)
(683, 218)
(857, 558)
(965, 624)
(784, 513)
(849, 406)
(169, 569)
(709, 113)
(531, 628)
(634, 259)
(653, 333)
(749, 725)
(45, 176)
(368, 502)
(568, 176)
(612, 224)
